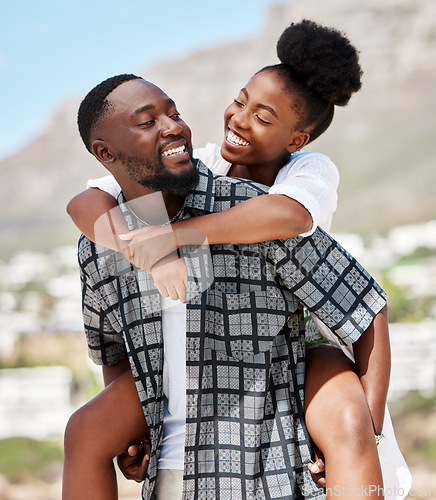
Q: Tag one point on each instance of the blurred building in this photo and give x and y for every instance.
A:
(35, 402)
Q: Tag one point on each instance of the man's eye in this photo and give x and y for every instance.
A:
(147, 123)
(175, 116)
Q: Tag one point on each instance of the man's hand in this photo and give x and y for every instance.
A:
(317, 468)
(134, 462)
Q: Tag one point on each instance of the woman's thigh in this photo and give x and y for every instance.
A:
(336, 409)
(113, 418)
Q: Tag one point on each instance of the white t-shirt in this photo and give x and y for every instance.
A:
(174, 384)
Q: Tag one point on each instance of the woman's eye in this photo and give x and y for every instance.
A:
(239, 103)
(262, 120)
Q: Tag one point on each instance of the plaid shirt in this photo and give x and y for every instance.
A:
(245, 350)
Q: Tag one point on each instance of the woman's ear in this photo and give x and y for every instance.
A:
(102, 152)
(298, 141)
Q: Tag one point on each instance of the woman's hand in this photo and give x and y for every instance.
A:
(134, 462)
(317, 468)
(170, 277)
(148, 245)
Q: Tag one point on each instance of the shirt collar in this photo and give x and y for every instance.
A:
(202, 197)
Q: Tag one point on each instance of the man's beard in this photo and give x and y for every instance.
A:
(159, 178)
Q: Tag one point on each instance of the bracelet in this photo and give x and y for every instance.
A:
(177, 243)
(379, 439)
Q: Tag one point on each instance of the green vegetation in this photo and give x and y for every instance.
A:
(21, 458)
(428, 451)
(413, 416)
(412, 402)
(402, 307)
(417, 256)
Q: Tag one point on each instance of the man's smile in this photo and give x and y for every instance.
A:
(178, 150)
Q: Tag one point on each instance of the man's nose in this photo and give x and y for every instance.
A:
(170, 127)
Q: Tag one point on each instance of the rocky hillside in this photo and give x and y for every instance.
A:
(383, 142)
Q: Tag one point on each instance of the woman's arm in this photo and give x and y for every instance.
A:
(304, 196)
(373, 360)
(98, 216)
(268, 217)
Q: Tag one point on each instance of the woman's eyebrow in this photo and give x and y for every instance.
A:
(262, 106)
(268, 108)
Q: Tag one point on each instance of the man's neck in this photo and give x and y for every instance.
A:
(152, 207)
(155, 208)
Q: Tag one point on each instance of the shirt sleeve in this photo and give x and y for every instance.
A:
(330, 283)
(312, 179)
(105, 345)
(107, 184)
(210, 155)
(331, 337)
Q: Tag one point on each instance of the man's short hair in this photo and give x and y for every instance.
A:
(95, 105)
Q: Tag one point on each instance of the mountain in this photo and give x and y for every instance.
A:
(382, 142)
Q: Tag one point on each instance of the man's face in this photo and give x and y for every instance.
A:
(148, 139)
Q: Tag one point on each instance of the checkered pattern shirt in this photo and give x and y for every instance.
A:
(245, 350)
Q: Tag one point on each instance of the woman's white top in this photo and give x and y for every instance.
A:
(311, 179)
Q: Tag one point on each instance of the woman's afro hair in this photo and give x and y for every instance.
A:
(322, 57)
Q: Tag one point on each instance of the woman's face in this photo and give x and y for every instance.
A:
(261, 124)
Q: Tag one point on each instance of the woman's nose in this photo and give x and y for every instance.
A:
(240, 119)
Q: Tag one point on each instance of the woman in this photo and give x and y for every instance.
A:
(279, 111)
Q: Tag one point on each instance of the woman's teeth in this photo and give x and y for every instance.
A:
(234, 139)
(174, 151)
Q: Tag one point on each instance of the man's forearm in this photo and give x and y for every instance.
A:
(373, 360)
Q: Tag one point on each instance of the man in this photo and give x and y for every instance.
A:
(244, 433)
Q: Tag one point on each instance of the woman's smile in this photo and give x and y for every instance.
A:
(235, 139)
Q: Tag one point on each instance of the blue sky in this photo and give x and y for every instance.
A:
(54, 50)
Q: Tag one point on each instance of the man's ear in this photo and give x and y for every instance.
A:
(298, 141)
(102, 152)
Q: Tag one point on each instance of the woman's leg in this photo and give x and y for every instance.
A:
(339, 422)
(95, 435)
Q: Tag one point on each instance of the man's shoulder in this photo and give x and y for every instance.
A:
(215, 193)
(236, 189)
(101, 263)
